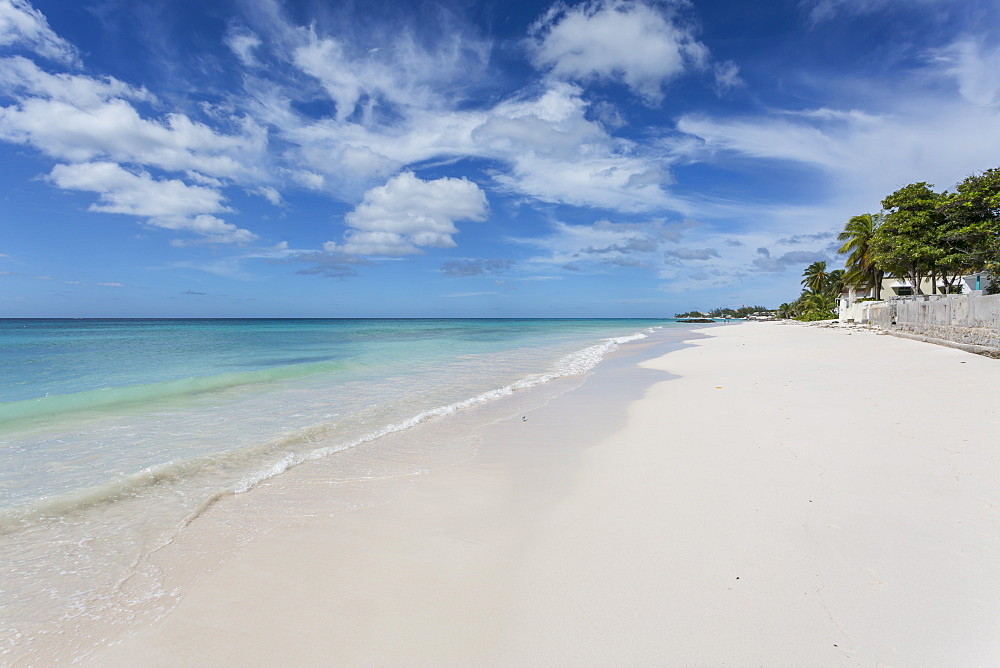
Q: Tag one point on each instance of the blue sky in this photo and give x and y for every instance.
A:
(262, 158)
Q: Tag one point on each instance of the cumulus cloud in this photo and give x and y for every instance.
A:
(544, 145)
(23, 25)
(556, 155)
(401, 105)
(122, 191)
(408, 213)
(630, 42)
(475, 267)
(166, 203)
(79, 118)
(92, 123)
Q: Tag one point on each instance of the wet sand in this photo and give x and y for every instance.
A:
(770, 495)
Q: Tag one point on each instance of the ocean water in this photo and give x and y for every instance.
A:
(114, 434)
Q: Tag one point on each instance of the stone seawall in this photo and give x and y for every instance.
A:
(964, 319)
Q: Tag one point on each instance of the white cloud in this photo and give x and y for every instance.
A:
(617, 40)
(307, 179)
(819, 11)
(976, 70)
(242, 43)
(21, 76)
(343, 160)
(404, 73)
(170, 204)
(63, 128)
(122, 191)
(91, 123)
(912, 132)
(727, 77)
(23, 25)
(607, 243)
(270, 194)
(608, 182)
(864, 156)
(408, 213)
(554, 154)
(551, 125)
(772, 137)
(212, 230)
(546, 147)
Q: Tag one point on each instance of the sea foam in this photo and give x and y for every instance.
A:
(103, 478)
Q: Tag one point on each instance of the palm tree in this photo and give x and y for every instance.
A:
(835, 283)
(857, 239)
(819, 301)
(815, 277)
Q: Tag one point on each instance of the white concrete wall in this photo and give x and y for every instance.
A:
(851, 311)
(970, 319)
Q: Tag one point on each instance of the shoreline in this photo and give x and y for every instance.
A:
(370, 473)
(774, 495)
(79, 553)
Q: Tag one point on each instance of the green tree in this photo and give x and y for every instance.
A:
(835, 283)
(819, 301)
(909, 241)
(816, 306)
(815, 277)
(973, 216)
(857, 245)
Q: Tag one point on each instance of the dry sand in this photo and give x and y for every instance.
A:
(796, 496)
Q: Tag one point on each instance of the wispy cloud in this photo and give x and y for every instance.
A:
(23, 25)
(818, 11)
(476, 267)
(470, 294)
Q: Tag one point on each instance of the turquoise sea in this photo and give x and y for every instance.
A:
(116, 433)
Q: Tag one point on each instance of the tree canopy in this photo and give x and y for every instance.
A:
(973, 215)
(919, 233)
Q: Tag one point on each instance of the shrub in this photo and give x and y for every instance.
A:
(813, 316)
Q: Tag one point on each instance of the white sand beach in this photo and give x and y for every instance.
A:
(774, 494)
